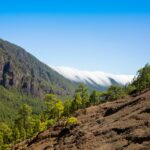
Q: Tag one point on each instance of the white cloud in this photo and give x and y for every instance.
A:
(100, 78)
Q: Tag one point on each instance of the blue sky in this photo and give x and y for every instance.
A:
(111, 36)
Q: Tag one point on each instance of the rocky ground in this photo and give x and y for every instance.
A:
(120, 125)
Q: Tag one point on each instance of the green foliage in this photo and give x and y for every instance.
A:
(27, 124)
(50, 102)
(67, 107)
(59, 108)
(84, 95)
(77, 102)
(82, 90)
(36, 125)
(22, 133)
(25, 111)
(43, 126)
(130, 89)
(15, 134)
(11, 100)
(54, 107)
(1, 140)
(24, 118)
(50, 123)
(71, 121)
(142, 81)
(6, 133)
(94, 98)
(6, 147)
(115, 92)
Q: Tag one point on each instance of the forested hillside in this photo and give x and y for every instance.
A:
(23, 71)
(11, 100)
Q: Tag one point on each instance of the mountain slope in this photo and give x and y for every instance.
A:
(20, 69)
(10, 102)
(120, 125)
(97, 79)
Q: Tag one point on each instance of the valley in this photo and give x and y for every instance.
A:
(60, 108)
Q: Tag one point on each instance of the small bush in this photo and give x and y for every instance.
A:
(43, 126)
(50, 123)
(115, 92)
(6, 147)
(72, 121)
(130, 89)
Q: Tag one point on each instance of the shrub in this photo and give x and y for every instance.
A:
(130, 89)
(43, 126)
(71, 121)
(115, 92)
(50, 123)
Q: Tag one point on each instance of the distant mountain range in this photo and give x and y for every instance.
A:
(94, 79)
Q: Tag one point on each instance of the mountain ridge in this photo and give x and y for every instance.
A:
(18, 68)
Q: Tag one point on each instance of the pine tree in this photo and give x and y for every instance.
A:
(22, 133)
(1, 140)
(67, 107)
(6, 133)
(142, 81)
(50, 102)
(16, 134)
(54, 107)
(25, 118)
(94, 98)
(77, 101)
(59, 109)
(83, 91)
(115, 92)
